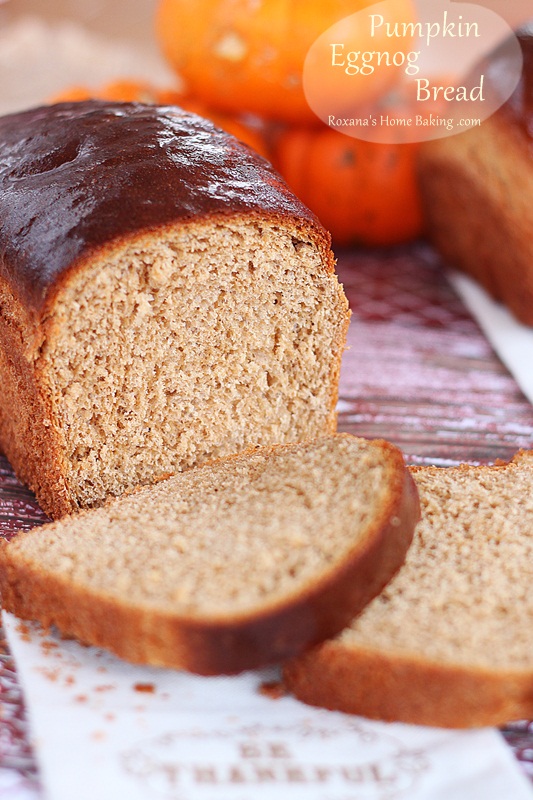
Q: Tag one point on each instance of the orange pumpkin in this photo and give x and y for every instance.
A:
(363, 192)
(125, 90)
(243, 56)
(72, 94)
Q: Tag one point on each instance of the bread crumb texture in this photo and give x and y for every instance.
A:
(463, 595)
(194, 344)
(229, 537)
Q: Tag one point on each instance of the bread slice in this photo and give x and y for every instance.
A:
(164, 300)
(228, 566)
(448, 642)
(477, 190)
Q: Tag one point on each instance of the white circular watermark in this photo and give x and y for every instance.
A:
(399, 73)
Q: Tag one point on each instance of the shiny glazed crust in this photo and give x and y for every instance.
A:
(75, 177)
(78, 181)
(229, 645)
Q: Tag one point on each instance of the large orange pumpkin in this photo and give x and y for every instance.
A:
(247, 56)
(363, 192)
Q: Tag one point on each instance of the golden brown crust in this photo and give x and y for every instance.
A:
(477, 191)
(27, 435)
(518, 110)
(479, 218)
(395, 687)
(237, 642)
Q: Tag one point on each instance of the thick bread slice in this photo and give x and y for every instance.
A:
(477, 189)
(448, 642)
(243, 561)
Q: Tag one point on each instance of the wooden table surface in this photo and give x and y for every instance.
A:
(418, 371)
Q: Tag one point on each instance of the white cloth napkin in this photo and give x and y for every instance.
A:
(512, 341)
(104, 730)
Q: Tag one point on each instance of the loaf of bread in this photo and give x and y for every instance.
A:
(165, 300)
(477, 190)
(228, 566)
(448, 642)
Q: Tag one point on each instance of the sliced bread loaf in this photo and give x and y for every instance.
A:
(241, 562)
(164, 300)
(448, 642)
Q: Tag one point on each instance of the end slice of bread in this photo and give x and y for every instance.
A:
(242, 562)
(448, 642)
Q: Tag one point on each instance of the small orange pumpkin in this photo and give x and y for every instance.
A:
(125, 90)
(363, 192)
